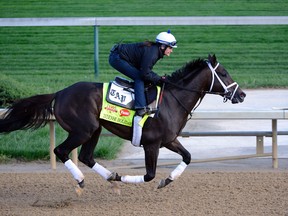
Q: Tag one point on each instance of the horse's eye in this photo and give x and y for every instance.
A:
(223, 73)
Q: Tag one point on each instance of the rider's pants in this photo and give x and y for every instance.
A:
(125, 68)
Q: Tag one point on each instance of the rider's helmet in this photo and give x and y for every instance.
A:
(166, 38)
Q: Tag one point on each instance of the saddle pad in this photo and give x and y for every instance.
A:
(119, 114)
(115, 113)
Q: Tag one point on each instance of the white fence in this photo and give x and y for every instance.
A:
(273, 115)
(132, 21)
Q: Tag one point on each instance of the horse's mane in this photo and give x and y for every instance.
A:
(192, 68)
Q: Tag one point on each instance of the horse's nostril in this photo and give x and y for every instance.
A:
(242, 95)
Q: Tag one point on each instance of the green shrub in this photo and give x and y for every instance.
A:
(11, 90)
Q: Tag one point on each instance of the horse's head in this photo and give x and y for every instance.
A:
(222, 82)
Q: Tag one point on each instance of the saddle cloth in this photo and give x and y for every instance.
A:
(118, 101)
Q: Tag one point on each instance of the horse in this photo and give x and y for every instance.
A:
(77, 109)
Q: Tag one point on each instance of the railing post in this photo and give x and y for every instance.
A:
(52, 144)
(96, 51)
(259, 145)
(274, 144)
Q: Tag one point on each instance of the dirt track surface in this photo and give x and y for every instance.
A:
(197, 192)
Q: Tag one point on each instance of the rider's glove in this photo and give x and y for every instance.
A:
(163, 79)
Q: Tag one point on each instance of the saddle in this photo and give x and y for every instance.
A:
(121, 93)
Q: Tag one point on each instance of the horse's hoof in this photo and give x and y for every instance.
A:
(164, 182)
(81, 184)
(114, 177)
(161, 184)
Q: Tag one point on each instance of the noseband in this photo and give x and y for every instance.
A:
(227, 94)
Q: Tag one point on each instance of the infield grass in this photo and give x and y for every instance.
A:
(47, 59)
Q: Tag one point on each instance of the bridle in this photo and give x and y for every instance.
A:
(227, 94)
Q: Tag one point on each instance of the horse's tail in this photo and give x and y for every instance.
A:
(32, 112)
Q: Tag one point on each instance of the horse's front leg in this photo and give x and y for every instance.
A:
(177, 147)
(151, 156)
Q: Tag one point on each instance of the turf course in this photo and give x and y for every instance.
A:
(47, 59)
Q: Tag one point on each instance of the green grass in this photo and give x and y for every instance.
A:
(50, 58)
(93, 8)
(34, 144)
(47, 59)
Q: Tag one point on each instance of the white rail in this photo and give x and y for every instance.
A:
(146, 21)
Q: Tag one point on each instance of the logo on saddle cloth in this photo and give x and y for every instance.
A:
(118, 103)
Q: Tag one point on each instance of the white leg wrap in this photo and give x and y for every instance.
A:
(137, 131)
(77, 174)
(132, 179)
(178, 171)
(101, 170)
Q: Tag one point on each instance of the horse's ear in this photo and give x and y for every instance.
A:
(212, 59)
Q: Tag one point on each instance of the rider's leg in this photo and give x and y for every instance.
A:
(140, 101)
(125, 68)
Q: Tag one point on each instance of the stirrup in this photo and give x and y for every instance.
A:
(145, 110)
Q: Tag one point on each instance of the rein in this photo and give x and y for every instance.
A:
(182, 105)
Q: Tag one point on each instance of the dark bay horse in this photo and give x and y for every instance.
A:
(77, 109)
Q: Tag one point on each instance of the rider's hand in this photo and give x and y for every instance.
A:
(163, 79)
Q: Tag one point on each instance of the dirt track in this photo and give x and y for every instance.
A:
(196, 192)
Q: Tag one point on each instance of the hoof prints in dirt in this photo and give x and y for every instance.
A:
(52, 204)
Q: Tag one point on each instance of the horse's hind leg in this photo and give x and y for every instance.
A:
(63, 150)
(86, 155)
